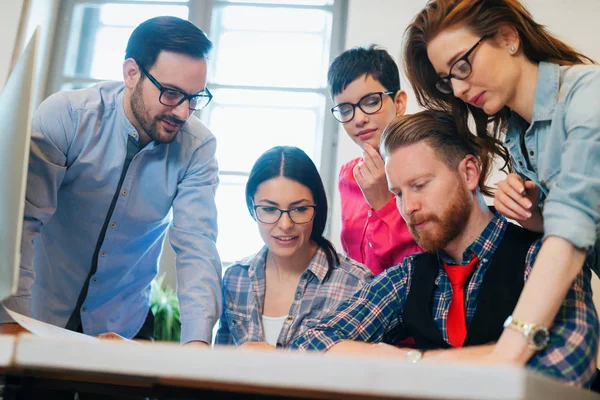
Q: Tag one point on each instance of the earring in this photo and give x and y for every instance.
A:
(512, 48)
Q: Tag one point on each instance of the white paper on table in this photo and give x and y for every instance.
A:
(44, 329)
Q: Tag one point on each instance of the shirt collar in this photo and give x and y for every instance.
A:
(546, 97)
(485, 245)
(546, 91)
(256, 264)
(125, 123)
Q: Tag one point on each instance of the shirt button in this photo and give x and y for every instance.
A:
(289, 318)
(370, 244)
(84, 309)
(298, 294)
(95, 280)
(531, 153)
(521, 163)
(113, 224)
(124, 192)
(370, 213)
(134, 134)
(103, 254)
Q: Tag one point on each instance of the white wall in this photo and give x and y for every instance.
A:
(383, 22)
(42, 14)
(32, 13)
(10, 16)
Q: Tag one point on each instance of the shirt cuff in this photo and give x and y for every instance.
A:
(197, 329)
(570, 224)
(389, 209)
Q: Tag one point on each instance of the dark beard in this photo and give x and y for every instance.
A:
(149, 125)
(448, 227)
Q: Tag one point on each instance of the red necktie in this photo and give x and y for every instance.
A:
(457, 321)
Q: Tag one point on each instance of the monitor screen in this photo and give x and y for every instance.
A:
(15, 135)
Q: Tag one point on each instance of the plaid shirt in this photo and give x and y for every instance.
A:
(375, 312)
(317, 296)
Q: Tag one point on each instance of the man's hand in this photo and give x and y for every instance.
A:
(117, 337)
(370, 176)
(258, 346)
(369, 349)
(197, 343)
(12, 328)
(519, 200)
(387, 351)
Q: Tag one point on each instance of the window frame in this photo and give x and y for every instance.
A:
(200, 13)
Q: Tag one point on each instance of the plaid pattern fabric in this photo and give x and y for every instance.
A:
(374, 314)
(317, 295)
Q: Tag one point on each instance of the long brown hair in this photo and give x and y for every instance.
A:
(484, 18)
(440, 131)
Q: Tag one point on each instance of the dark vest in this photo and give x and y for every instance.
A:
(498, 294)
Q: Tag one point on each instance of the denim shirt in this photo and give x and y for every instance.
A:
(79, 144)
(318, 294)
(562, 147)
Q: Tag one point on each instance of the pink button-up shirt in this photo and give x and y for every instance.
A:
(377, 239)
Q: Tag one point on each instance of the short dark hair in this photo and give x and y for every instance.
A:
(352, 64)
(166, 33)
(293, 163)
(440, 131)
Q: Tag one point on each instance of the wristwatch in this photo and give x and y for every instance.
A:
(414, 355)
(537, 336)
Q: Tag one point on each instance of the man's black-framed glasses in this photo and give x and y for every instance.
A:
(171, 97)
(368, 104)
(298, 215)
(461, 69)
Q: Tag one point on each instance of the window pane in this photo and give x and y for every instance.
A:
(293, 2)
(238, 233)
(274, 19)
(99, 34)
(263, 59)
(76, 85)
(247, 123)
(267, 46)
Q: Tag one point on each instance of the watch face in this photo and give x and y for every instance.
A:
(540, 338)
(413, 356)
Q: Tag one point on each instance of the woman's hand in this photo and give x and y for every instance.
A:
(518, 200)
(258, 346)
(370, 176)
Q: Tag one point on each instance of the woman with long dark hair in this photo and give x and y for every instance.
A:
(489, 60)
(297, 278)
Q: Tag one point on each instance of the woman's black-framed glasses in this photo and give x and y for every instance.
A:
(172, 97)
(368, 104)
(461, 69)
(298, 215)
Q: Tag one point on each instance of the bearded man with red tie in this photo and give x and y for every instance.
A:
(456, 298)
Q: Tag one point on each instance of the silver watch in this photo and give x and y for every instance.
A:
(414, 355)
(537, 336)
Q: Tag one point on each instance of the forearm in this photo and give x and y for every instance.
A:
(554, 270)
(465, 353)
(350, 347)
(198, 285)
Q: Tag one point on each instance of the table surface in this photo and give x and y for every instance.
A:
(280, 372)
